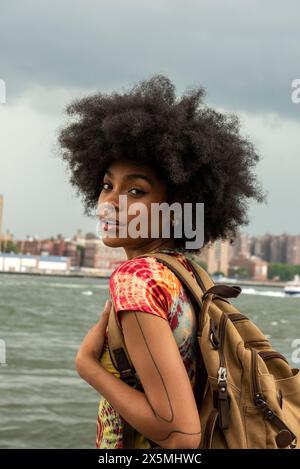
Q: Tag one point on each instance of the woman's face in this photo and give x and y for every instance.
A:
(140, 188)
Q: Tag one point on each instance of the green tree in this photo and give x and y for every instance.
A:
(242, 272)
(284, 272)
(81, 250)
(219, 273)
(11, 247)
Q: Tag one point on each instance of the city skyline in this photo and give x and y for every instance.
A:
(93, 229)
(282, 248)
(247, 256)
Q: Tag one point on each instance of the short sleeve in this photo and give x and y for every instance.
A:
(141, 284)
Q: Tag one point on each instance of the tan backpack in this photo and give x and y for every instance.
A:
(247, 394)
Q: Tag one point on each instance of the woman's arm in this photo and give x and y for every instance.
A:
(166, 411)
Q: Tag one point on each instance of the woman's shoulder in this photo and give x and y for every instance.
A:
(136, 265)
(145, 273)
(138, 268)
(142, 284)
(149, 268)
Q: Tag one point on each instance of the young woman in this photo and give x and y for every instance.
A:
(151, 147)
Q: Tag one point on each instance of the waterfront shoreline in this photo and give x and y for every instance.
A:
(244, 282)
(42, 274)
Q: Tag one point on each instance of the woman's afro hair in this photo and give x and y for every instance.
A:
(198, 151)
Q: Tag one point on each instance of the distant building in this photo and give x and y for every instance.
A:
(99, 256)
(278, 245)
(216, 256)
(53, 264)
(241, 245)
(29, 246)
(92, 254)
(283, 249)
(73, 253)
(58, 247)
(293, 250)
(33, 264)
(46, 246)
(261, 247)
(255, 268)
(111, 258)
(4, 237)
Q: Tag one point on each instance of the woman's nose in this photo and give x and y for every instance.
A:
(108, 203)
(111, 196)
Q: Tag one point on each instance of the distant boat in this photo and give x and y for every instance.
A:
(293, 287)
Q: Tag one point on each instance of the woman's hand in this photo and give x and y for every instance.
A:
(89, 352)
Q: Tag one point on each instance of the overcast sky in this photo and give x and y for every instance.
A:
(245, 53)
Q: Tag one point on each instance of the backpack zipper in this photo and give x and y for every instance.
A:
(222, 326)
(223, 398)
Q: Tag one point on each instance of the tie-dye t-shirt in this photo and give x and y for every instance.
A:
(144, 284)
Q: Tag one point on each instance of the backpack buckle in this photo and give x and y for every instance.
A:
(269, 414)
(260, 400)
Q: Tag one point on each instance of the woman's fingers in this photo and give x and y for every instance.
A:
(93, 342)
(107, 306)
(105, 313)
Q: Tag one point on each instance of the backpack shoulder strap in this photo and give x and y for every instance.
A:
(220, 291)
(195, 288)
(200, 288)
(122, 362)
(118, 352)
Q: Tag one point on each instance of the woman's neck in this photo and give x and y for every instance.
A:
(152, 246)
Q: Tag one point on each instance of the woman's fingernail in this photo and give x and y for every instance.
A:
(107, 303)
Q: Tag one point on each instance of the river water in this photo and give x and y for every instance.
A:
(43, 402)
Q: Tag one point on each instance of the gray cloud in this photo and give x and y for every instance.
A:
(246, 54)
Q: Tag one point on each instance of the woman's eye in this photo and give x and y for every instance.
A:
(139, 192)
(106, 186)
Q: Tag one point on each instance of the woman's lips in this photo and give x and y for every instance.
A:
(109, 225)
